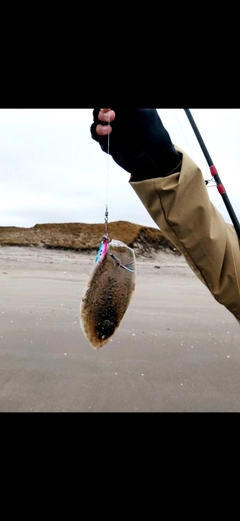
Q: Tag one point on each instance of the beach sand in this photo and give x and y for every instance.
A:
(176, 350)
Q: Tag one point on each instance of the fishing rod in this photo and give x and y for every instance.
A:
(214, 173)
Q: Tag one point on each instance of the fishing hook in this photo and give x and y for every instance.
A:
(120, 265)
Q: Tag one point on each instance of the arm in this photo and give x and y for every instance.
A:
(172, 188)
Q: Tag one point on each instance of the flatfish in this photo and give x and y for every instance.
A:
(108, 292)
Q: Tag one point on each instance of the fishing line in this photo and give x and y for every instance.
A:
(210, 183)
(185, 137)
(107, 183)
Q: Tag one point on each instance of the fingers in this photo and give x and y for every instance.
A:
(103, 130)
(106, 116)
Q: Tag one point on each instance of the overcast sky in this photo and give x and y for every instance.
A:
(51, 171)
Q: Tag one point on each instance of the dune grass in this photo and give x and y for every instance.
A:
(86, 237)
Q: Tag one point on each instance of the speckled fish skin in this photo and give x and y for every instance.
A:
(108, 294)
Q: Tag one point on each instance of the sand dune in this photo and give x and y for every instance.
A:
(86, 237)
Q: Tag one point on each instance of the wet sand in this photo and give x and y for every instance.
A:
(176, 350)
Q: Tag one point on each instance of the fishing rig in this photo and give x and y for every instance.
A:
(103, 248)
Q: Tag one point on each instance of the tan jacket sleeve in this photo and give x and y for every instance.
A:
(180, 206)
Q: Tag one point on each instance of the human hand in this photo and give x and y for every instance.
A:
(139, 143)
